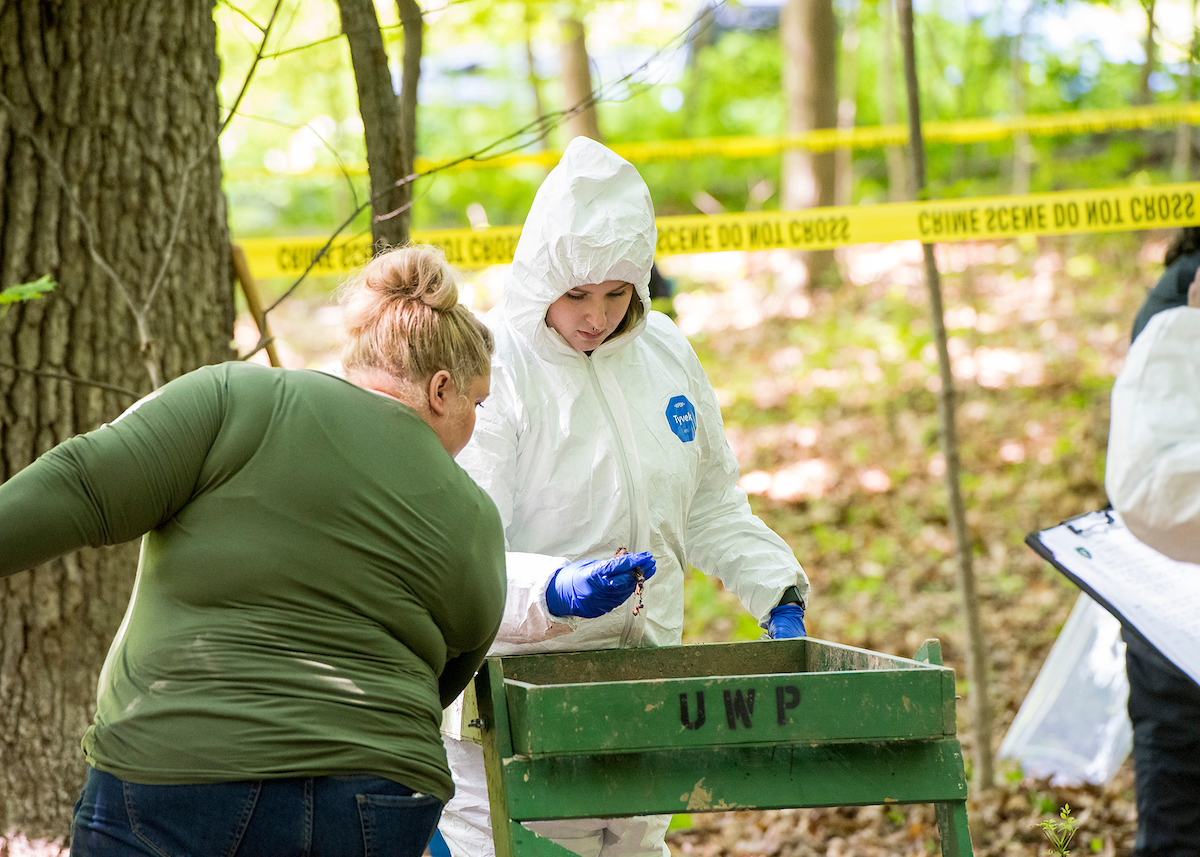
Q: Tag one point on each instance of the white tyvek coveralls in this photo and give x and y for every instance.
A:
(583, 455)
(1152, 474)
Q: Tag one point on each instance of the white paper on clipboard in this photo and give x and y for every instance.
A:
(1155, 595)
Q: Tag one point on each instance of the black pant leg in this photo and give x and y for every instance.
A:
(1164, 706)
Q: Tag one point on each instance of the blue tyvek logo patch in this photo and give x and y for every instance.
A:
(681, 417)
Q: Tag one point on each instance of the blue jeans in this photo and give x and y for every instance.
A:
(353, 816)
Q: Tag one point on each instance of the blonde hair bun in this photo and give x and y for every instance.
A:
(402, 316)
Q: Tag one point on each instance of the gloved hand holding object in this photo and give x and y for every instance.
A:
(592, 587)
(786, 621)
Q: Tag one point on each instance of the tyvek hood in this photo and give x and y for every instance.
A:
(591, 220)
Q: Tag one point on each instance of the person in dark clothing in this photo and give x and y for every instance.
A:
(1164, 706)
(1182, 260)
(1164, 702)
(660, 286)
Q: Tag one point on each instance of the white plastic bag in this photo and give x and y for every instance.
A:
(1073, 726)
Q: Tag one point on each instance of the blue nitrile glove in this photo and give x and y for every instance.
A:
(591, 587)
(786, 621)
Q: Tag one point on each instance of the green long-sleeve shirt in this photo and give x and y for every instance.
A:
(317, 578)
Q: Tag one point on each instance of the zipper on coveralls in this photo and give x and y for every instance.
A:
(628, 478)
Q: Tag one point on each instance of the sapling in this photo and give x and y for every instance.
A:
(1060, 833)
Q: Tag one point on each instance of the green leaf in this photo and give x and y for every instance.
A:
(27, 291)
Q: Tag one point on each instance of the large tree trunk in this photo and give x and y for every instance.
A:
(380, 110)
(577, 81)
(809, 32)
(108, 124)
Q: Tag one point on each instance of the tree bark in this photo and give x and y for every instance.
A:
(1181, 161)
(410, 76)
(983, 774)
(700, 38)
(847, 108)
(380, 111)
(809, 32)
(110, 182)
(1143, 93)
(898, 189)
(577, 81)
(535, 83)
(1022, 162)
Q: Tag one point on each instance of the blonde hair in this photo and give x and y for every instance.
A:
(402, 317)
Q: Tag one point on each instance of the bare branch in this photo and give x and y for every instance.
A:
(139, 315)
(250, 73)
(177, 219)
(342, 168)
(400, 183)
(167, 251)
(345, 170)
(445, 6)
(138, 311)
(325, 247)
(62, 376)
(539, 128)
(245, 15)
(382, 29)
(543, 125)
(319, 42)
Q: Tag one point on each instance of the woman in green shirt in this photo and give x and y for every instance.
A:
(318, 578)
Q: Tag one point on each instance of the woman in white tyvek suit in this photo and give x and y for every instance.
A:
(1152, 473)
(603, 432)
(1152, 476)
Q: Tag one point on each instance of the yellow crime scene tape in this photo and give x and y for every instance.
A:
(978, 219)
(823, 140)
(869, 137)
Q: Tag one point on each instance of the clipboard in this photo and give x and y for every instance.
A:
(1154, 597)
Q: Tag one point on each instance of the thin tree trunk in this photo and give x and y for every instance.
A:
(847, 108)
(380, 110)
(700, 38)
(577, 81)
(1022, 162)
(1143, 94)
(983, 775)
(897, 170)
(960, 162)
(809, 33)
(108, 124)
(535, 83)
(1181, 162)
(410, 75)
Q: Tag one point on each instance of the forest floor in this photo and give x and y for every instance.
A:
(829, 401)
(829, 405)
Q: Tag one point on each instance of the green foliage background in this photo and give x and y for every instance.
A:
(730, 87)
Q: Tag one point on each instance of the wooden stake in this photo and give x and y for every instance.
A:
(241, 270)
